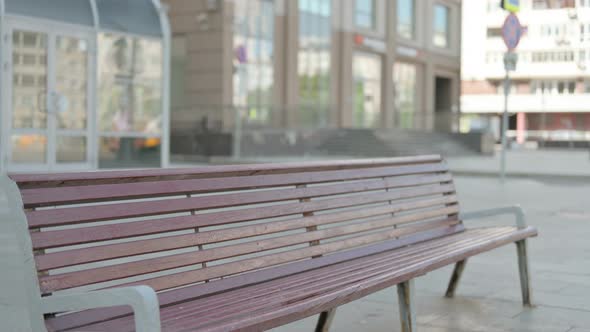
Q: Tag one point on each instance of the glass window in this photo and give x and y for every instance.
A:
(71, 149)
(130, 85)
(365, 14)
(571, 87)
(29, 148)
(129, 152)
(560, 87)
(366, 90)
(314, 61)
(71, 82)
(253, 59)
(494, 32)
(29, 81)
(441, 26)
(404, 82)
(405, 18)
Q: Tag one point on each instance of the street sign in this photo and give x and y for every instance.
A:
(512, 6)
(511, 31)
(241, 54)
(510, 60)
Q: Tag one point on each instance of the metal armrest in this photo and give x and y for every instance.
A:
(515, 210)
(142, 299)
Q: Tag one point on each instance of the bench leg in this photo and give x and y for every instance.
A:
(455, 277)
(407, 314)
(325, 320)
(523, 269)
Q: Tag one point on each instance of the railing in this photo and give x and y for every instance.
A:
(232, 118)
(553, 138)
(209, 130)
(554, 103)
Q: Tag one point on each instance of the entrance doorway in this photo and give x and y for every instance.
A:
(443, 117)
(366, 90)
(49, 97)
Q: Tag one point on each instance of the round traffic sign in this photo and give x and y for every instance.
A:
(511, 31)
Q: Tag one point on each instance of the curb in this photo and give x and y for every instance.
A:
(523, 175)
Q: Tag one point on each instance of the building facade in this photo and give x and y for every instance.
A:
(550, 93)
(314, 63)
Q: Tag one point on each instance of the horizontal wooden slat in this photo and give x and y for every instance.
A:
(190, 277)
(261, 277)
(73, 215)
(187, 309)
(370, 265)
(294, 310)
(48, 239)
(202, 312)
(186, 278)
(104, 177)
(37, 197)
(58, 217)
(104, 252)
(96, 275)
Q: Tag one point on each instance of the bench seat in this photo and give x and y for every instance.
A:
(240, 247)
(271, 303)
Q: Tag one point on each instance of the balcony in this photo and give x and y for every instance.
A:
(528, 103)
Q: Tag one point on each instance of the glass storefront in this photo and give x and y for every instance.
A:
(88, 85)
(253, 22)
(366, 90)
(404, 83)
(314, 61)
(130, 99)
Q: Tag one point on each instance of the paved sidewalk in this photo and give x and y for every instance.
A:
(488, 297)
(527, 163)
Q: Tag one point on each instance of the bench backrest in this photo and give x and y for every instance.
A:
(169, 228)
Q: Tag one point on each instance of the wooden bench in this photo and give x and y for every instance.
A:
(246, 247)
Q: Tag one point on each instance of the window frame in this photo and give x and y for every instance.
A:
(373, 15)
(449, 11)
(378, 30)
(413, 25)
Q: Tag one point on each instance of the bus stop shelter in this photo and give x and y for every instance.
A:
(84, 84)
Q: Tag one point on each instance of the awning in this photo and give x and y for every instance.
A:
(127, 16)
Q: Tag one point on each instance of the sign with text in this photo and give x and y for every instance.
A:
(372, 43)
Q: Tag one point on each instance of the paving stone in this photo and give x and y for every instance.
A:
(494, 323)
(555, 316)
(579, 302)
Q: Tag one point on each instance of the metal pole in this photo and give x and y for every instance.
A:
(237, 148)
(504, 127)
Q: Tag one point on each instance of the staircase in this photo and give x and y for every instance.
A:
(383, 143)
